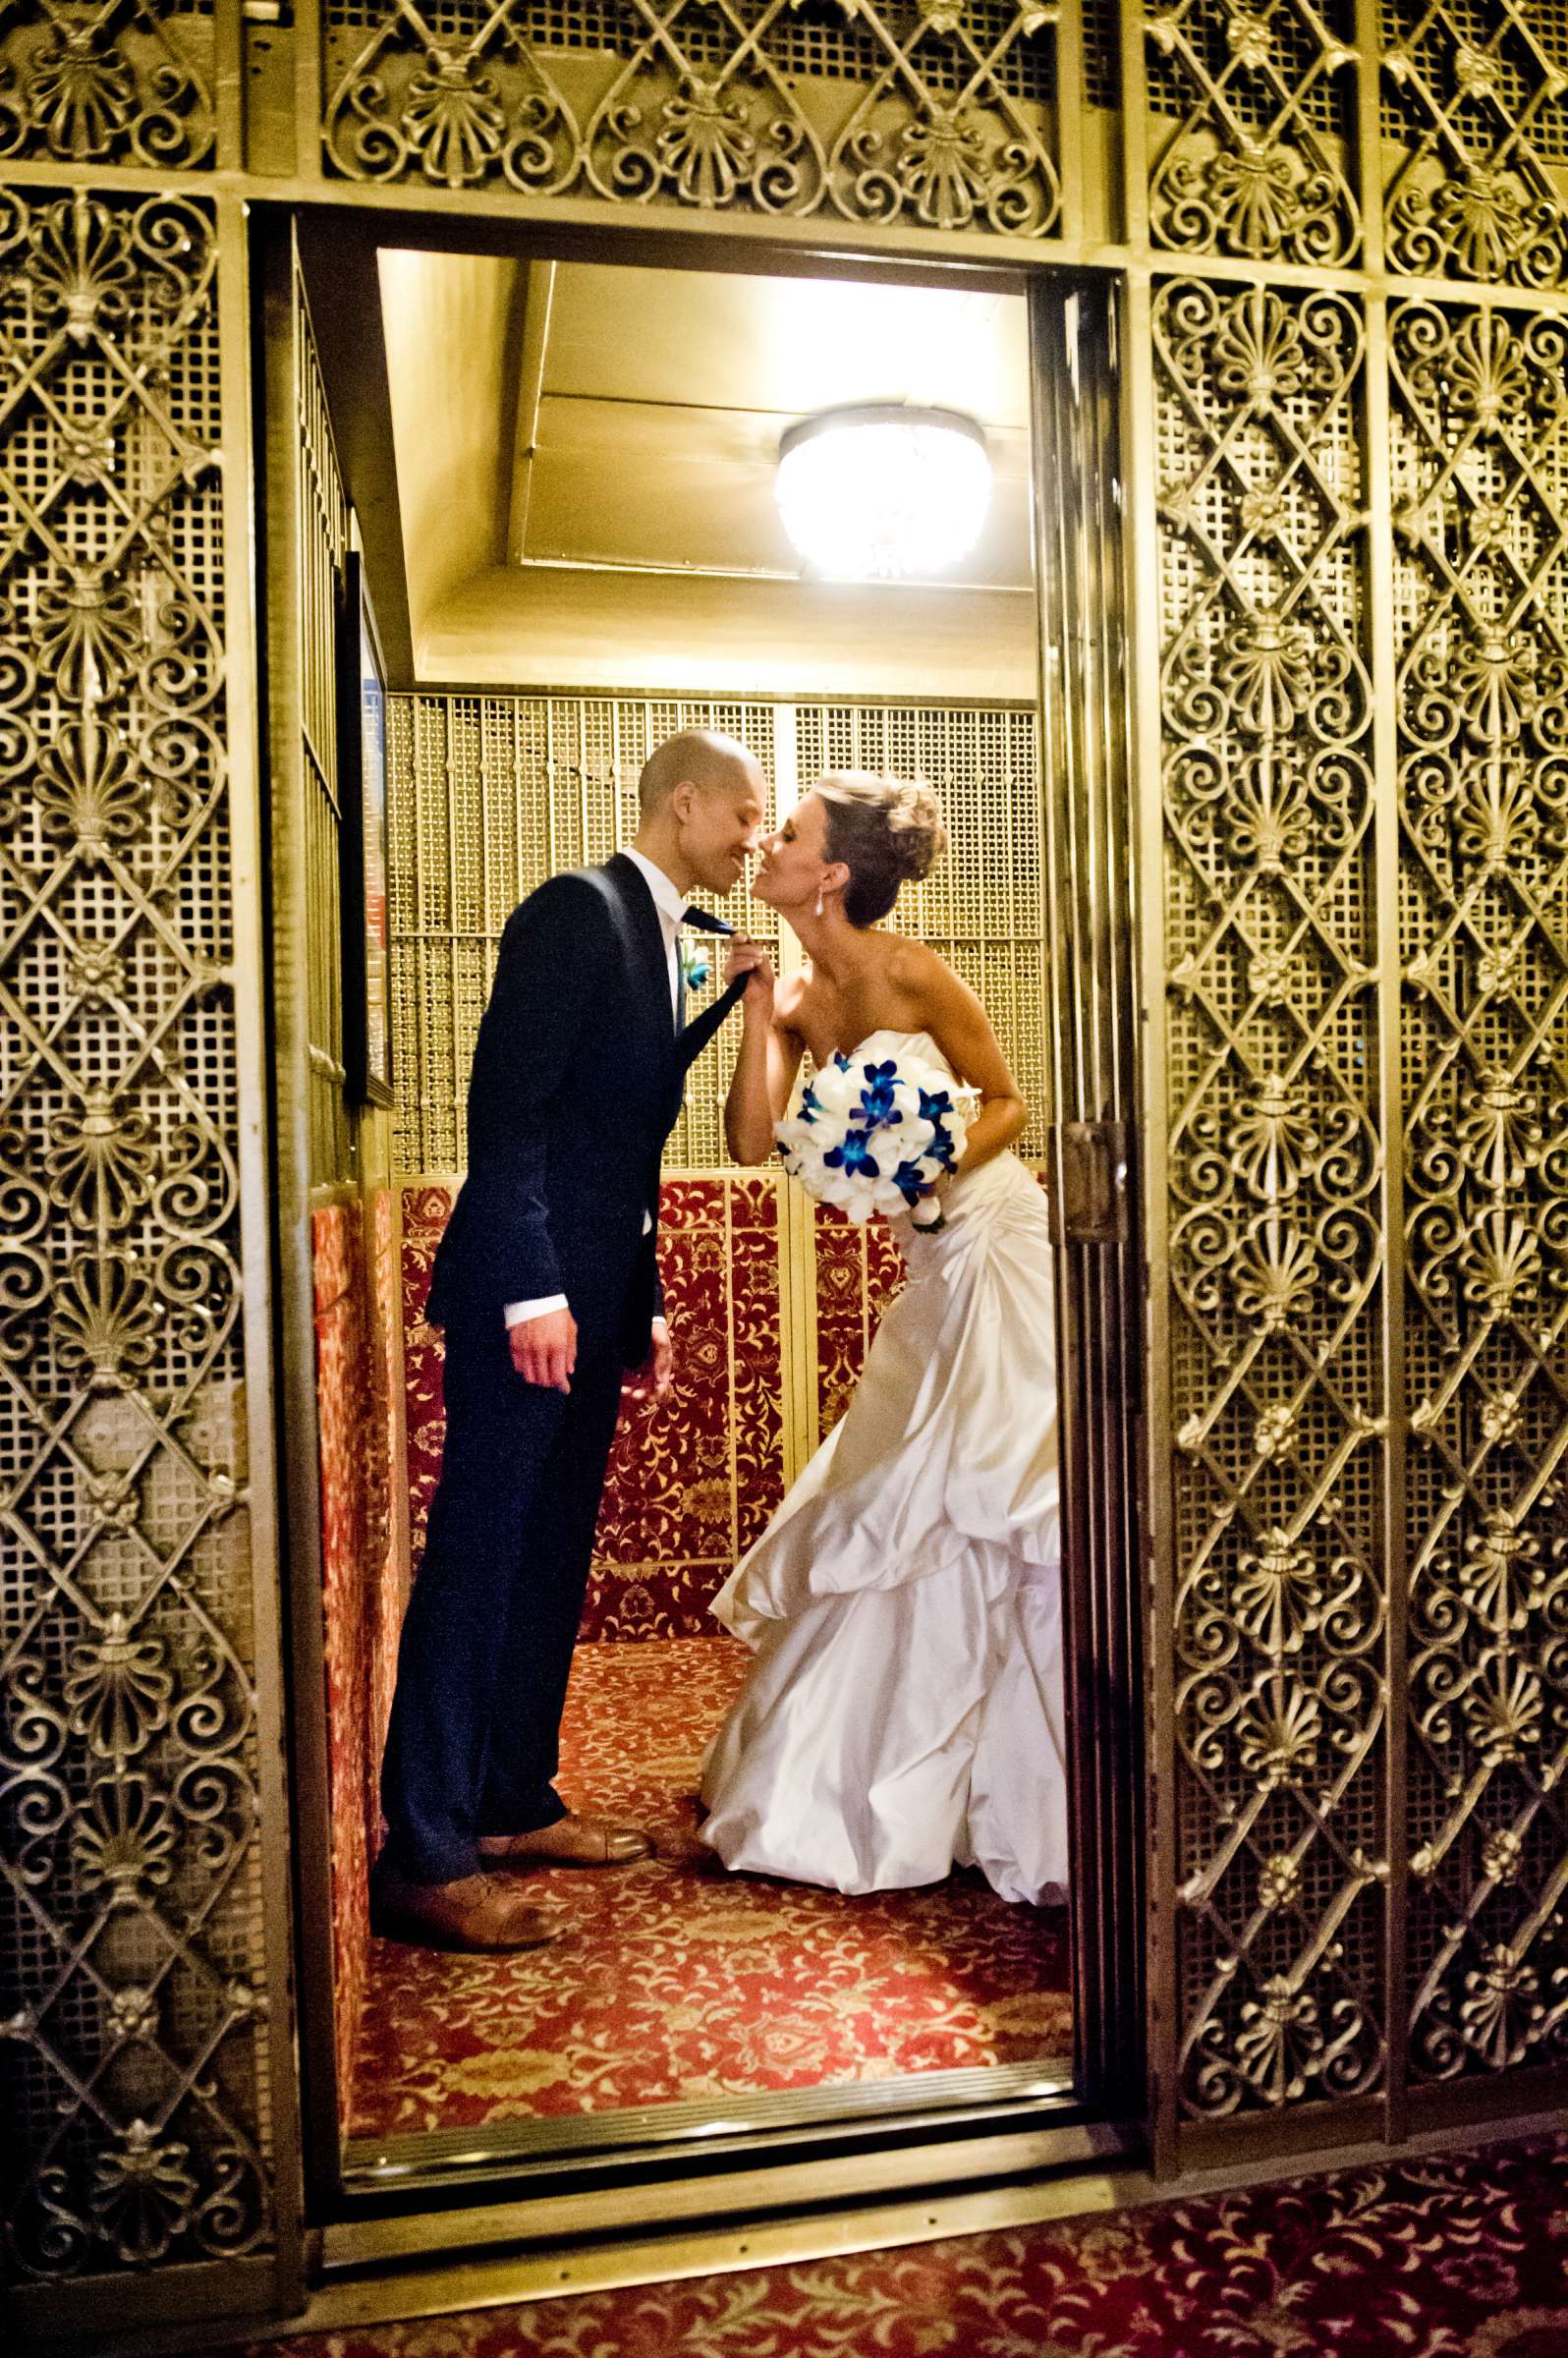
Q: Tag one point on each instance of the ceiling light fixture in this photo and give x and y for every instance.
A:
(881, 491)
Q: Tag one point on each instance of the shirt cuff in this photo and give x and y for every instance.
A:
(516, 1312)
(659, 1320)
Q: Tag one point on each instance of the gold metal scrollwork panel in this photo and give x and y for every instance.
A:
(1474, 122)
(1275, 1169)
(113, 82)
(1250, 103)
(128, 1801)
(1481, 491)
(931, 113)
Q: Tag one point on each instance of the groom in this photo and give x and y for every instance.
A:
(547, 1285)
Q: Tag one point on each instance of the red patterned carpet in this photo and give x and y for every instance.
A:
(1462, 2256)
(678, 1980)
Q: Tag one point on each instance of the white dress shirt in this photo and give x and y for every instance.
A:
(671, 909)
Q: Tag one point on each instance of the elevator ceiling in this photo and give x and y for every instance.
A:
(585, 460)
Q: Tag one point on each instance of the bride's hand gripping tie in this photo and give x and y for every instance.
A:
(751, 959)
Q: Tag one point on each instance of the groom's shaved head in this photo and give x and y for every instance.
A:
(698, 757)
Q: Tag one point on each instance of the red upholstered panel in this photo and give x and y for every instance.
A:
(666, 1534)
(859, 1270)
(343, 1406)
(386, 1584)
(693, 1478)
(756, 1316)
(840, 1313)
(426, 1213)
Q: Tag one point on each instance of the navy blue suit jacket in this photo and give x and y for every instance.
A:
(577, 1083)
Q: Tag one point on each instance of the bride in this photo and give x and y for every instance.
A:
(904, 1713)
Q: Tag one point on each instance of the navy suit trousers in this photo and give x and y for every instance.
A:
(486, 1646)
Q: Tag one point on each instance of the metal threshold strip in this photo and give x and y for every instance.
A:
(503, 2260)
(730, 2184)
(911, 2101)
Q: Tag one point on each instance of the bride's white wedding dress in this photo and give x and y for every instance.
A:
(905, 1713)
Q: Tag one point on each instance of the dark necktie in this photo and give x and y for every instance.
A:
(688, 1044)
(705, 921)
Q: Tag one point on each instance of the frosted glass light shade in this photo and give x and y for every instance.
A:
(884, 493)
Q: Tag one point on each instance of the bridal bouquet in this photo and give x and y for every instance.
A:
(877, 1137)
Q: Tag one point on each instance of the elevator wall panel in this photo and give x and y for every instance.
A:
(134, 1398)
(1275, 1175)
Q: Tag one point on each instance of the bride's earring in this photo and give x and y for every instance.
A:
(819, 900)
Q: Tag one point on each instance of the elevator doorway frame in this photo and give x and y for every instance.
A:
(709, 2160)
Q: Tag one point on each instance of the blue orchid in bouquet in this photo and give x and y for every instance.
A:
(877, 1101)
(937, 1108)
(911, 1183)
(878, 1136)
(854, 1155)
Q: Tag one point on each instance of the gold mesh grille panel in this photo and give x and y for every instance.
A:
(489, 796)
(1275, 1168)
(984, 906)
(898, 111)
(128, 1892)
(1102, 64)
(1481, 604)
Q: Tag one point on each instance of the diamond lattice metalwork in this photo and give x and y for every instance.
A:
(1250, 107)
(1275, 1182)
(1480, 600)
(126, 1747)
(1476, 111)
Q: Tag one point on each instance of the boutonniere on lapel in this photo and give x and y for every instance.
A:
(694, 946)
(697, 961)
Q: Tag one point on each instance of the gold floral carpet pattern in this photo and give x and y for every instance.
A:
(1461, 2256)
(676, 1979)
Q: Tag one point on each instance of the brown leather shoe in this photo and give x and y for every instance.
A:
(572, 1842)
(476, 1912)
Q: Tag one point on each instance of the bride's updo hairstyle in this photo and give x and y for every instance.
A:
(886, 834)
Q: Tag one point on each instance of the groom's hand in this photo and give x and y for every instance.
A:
(657, 1371)
(544, 1349)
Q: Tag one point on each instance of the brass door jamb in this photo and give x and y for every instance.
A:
(890, 2124)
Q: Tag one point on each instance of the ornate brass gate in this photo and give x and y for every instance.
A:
(141, 1740)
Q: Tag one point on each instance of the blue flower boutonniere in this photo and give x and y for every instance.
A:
(697, 963)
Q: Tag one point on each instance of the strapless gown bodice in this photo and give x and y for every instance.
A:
(904, 1713)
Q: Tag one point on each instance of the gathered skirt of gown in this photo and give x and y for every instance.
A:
(904, 1713)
